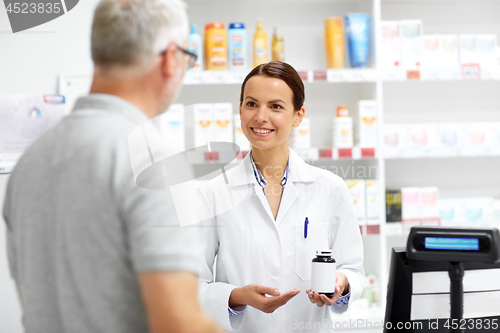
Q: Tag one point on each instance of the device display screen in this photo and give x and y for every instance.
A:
(448, 243)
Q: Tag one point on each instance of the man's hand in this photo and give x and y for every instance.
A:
(341, 288)
(265, 299)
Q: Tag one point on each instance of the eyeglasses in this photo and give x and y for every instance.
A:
(192, 56)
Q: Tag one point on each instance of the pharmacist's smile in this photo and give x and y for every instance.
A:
(261, 131)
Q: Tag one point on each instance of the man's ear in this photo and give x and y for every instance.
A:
(300, 115)
(170, 59)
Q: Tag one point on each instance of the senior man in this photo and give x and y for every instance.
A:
(81, 236)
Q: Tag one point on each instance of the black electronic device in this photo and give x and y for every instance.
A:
(453, 244)
(431, 249)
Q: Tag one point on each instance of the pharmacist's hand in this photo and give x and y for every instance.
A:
(265, 299)
(341, 288)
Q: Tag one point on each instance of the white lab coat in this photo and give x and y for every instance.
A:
(251, 247)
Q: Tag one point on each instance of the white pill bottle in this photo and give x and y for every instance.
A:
(323, 275)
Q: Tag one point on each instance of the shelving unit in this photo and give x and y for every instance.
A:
(435, 96)
(325, 90)
(340, 75)
(441, 98)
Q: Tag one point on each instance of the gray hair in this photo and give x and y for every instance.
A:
(132, 32)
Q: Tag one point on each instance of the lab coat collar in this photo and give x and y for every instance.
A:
(299, 171)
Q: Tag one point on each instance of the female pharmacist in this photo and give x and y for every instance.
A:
(262, 255)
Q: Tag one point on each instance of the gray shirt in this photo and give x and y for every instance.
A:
(79, 228)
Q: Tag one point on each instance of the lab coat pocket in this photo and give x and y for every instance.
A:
(305, 248)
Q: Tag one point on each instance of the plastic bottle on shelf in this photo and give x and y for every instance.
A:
(334, 42)
(237, 47)
(215, 46)
(260, 51)
(278, 45)
(342, 129)
(195, 45)
(358, 38)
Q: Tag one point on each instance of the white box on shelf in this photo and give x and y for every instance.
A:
(480, 133)
(462, 131)
(357, 191)
(391, 135)
(434, 146)
(419, 135)
(390, 45)
(411, 44)
(301, 135)
(372, 202)
(448, 134)
(410, 204)
(405, 143)
(239, 138)
(405, 133)
(479, 211)
(391, 141)
(468, 212)
(172, 127)
(223, 119)
(405, 140)
(431, 58)
(367, 123)
(461, 211)
(203, 124)
(486, 45)
(490, 134)
(433, 134)
(447, 212)
(471, 138)
(342, 132)
(449, 52)
(429, 203)
(469, 52)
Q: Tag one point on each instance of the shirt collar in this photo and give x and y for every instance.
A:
(110, 104)
(261, 180)
(243, 172)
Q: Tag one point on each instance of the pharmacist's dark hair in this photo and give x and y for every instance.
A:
(283, 71)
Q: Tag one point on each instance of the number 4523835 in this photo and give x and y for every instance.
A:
(470, 324)
(25, 8)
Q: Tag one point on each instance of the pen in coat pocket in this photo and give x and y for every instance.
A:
(306, 224)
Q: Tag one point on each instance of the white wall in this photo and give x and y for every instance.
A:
(30, 62)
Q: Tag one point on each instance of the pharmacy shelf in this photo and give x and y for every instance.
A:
(309, 76)
(355, 153)
(349, 75)
(441, 152)
(440, 75)
(309, 154)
